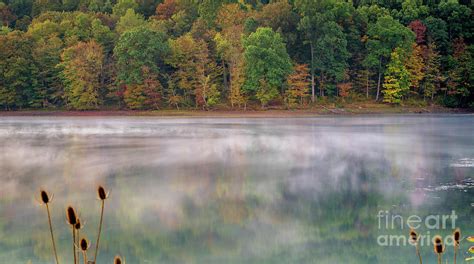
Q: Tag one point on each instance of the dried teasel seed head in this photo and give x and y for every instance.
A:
(101, 193)
(78, 224)
(438, 246)
(71, 216)
(457, 236)
(413, 236)
(45, 197)
(84, 244)
(118, 260)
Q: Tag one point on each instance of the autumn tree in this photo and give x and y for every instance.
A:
(298, 85)
(347, 47)
(415, 65)
(6, 16)
(196, 74)
(432, 77)
(345, 86)
(230, 19)
(146, 95)
(461, 74)
(384, 37)
(397, 78)
(166, 10)
(419, 29)
(81, 69)
(175, 16)
(267, 64)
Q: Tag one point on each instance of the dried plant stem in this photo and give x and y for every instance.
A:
(74, 245)
(84, 256)
(418, 252)
(52, 235)
(77, 239)
(439, 258)
(455, 253)
(100, 229)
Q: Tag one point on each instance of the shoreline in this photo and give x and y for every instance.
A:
(314, 112)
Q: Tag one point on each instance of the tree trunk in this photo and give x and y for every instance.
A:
(224, 72)
(367, 86)
(312, 73)
(379, 80)
(321, 85)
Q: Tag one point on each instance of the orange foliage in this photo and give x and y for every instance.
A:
(344, 88)
(298, 83)
(165, 10)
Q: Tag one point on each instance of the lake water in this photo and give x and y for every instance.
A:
(217, 190)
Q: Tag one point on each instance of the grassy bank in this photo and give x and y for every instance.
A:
(317, 110)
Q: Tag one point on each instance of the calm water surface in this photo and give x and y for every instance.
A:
(216, 190)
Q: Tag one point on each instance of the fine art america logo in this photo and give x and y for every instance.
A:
(435, 223)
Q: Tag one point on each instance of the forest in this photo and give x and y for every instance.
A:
(234, 54)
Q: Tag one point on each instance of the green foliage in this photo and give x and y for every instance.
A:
(129, 20)
(4, 30)
(326, 39)
(208, 10)
(266, 92)
(17, 71)
(137, 48)
(21, 8)
(121, 7)
(47, 54)
(437, 33)
(267, 62)
(103, 35)
(100, 6)
(384, 36)
(235, 52)
(458, 19)
(411, 10)
(40, 6)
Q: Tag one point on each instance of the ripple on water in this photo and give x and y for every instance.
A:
(463, 163)
(464, 186)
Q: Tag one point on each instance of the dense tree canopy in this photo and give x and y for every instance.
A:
(266, 62)
(153, 54)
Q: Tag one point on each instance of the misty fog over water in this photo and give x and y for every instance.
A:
(234, 190)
